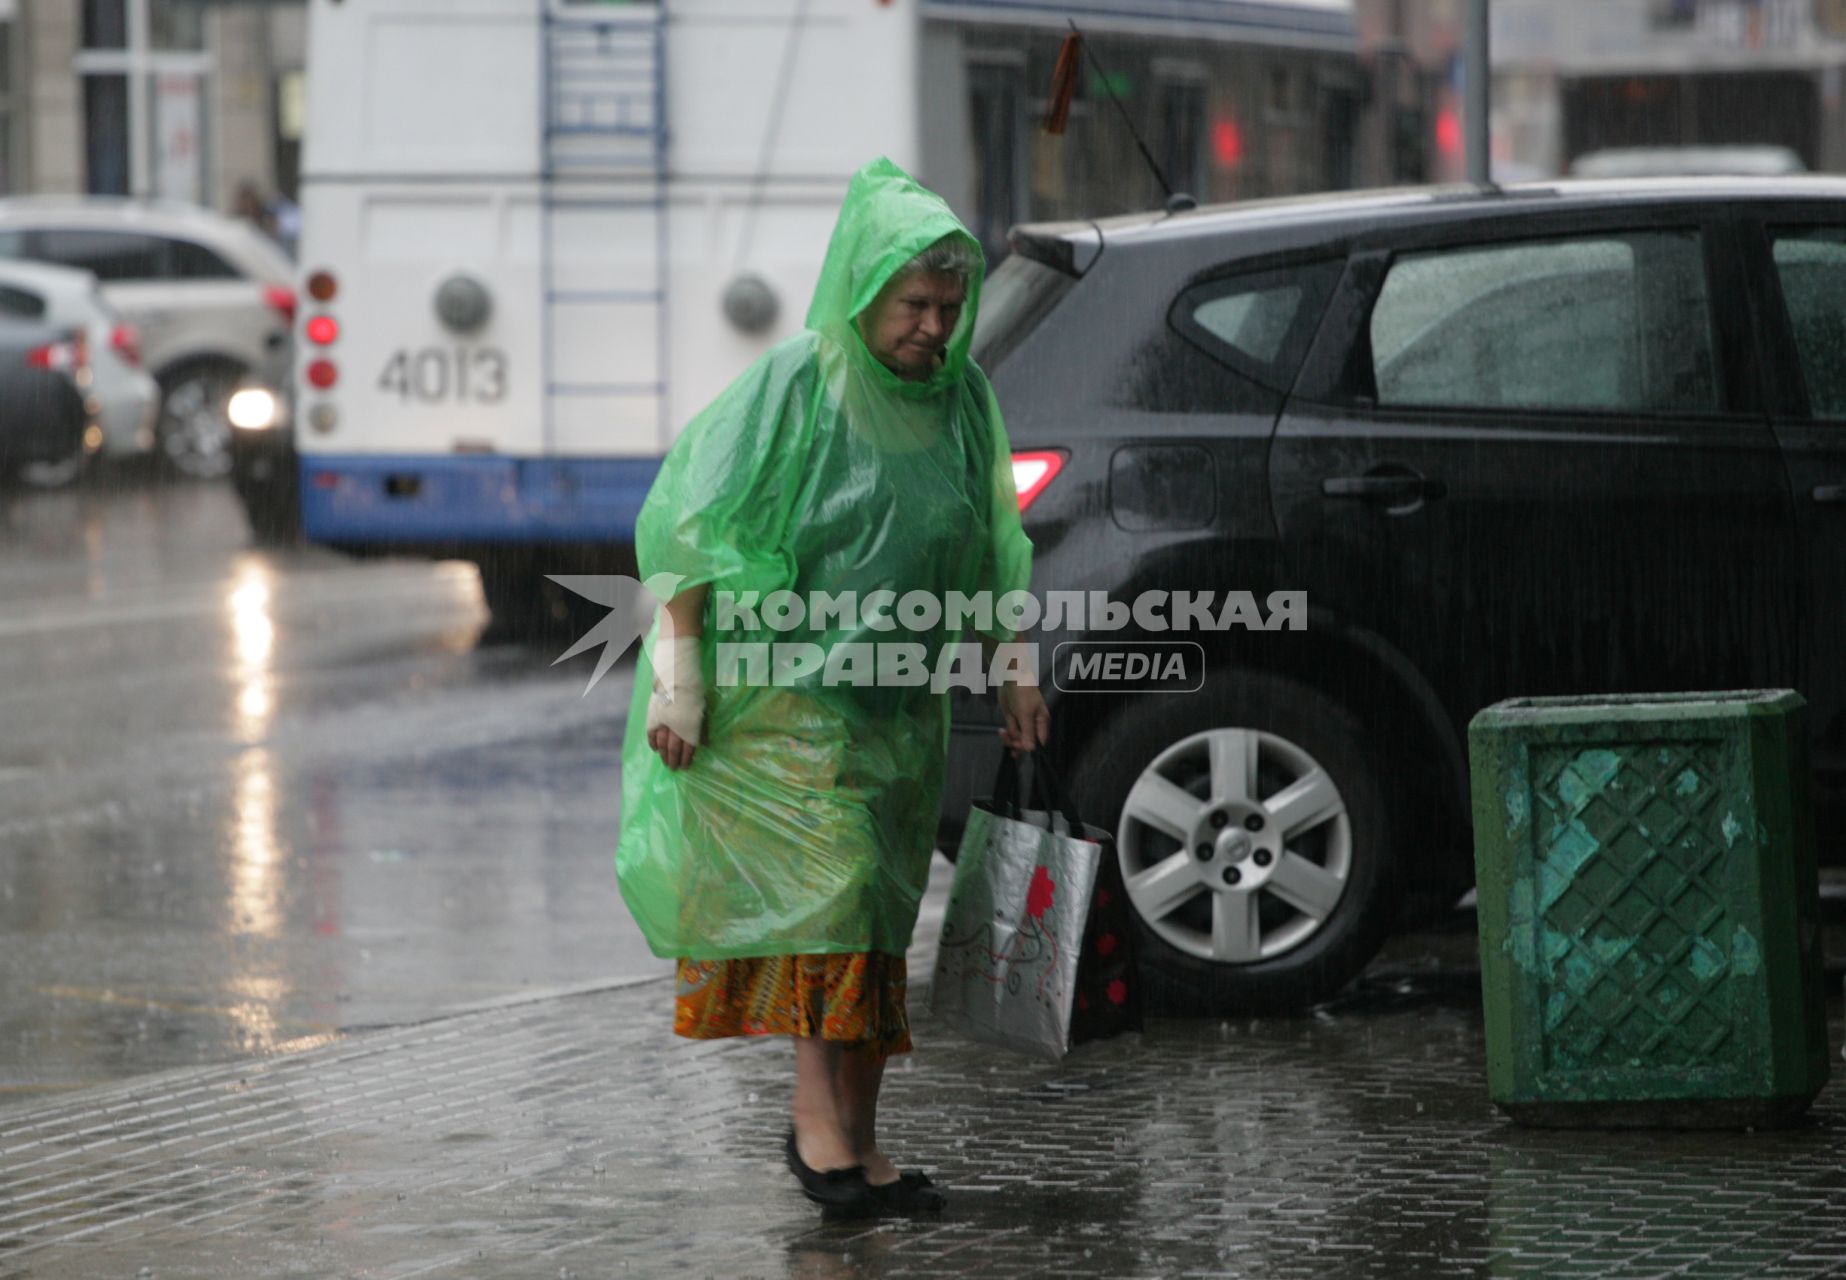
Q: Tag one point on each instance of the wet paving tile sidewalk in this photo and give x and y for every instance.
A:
(574, 1136)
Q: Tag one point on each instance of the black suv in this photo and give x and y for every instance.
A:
(1557, 439)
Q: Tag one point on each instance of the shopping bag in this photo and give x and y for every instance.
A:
(1108, 988)
(1022, 931)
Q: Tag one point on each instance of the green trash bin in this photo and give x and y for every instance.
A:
(1649, 909)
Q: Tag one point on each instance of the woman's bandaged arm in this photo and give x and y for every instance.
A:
(678, 699)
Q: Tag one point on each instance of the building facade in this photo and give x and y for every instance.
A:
(1670, 73)
(173, 99)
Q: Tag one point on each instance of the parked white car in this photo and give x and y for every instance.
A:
(1684, 162)
(127, 397)
(208, 294)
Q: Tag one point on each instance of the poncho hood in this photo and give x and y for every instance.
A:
(887, 219)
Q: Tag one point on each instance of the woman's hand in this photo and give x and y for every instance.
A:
(675, 751)
(676, 710)
(1028, 719)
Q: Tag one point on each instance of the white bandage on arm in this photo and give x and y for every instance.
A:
(678, 701)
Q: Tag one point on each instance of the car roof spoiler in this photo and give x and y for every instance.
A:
(1069, 247)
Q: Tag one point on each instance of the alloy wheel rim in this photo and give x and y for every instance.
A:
(1236, 846)
(194, 432)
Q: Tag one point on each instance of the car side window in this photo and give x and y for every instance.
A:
(110, 255)
(1259, 323)
(1811, 266)
(1613, 323)
(189, 261)
(20, 304)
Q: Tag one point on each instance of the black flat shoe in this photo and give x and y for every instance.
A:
(833, 1188)
(911, 1193)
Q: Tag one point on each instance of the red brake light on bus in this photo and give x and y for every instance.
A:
(323, 330)
(322, 287)
(323, 374)
(1033, 471)
(281, 300)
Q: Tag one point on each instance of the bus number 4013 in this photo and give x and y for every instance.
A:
(436, 374)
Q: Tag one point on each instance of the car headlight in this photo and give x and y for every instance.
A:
(254, 409)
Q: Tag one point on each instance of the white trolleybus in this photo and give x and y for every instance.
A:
(539, 235)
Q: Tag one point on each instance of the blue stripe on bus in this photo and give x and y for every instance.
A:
(422, 499)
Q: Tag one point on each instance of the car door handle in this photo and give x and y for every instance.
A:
(1830, 493)
(1389, 490)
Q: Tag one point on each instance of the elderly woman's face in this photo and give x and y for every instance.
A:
(910, 321)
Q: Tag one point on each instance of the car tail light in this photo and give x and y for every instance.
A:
(281, 300)
(1033, 471)
(323, 330)
(322, 287)
(323, 374)
(67, 356)
(126, 343)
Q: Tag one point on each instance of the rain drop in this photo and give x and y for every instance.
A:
(146, 1273)
(597, 1167)
(750, 1097)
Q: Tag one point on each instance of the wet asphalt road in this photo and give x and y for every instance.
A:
(250, 797)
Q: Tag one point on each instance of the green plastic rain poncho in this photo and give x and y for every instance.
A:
(806, 821)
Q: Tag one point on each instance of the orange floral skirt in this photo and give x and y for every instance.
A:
(856, 997)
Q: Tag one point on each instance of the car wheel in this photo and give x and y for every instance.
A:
(1254, 842)
(273, 516)
(194, 430)
(527, 607)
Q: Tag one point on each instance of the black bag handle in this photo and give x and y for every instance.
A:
(1046, 790)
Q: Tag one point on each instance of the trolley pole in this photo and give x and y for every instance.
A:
(1477, 73)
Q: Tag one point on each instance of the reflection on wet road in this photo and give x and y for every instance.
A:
(251, 797)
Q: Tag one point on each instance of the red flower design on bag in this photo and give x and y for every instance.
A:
(1105, 945)
(1118, 991)
(1038, 897)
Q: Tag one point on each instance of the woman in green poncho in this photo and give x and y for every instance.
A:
(778, 820)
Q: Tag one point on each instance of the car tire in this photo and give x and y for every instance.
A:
(527, 607)
(1308, 844)
(273, 515)
(194, 430)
